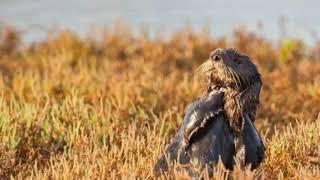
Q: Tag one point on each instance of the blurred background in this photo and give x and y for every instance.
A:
(273, 19)
(93, 89)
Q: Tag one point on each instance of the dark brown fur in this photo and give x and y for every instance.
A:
(239, 77)
(219, 125)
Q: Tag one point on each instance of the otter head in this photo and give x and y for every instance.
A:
(236, 75)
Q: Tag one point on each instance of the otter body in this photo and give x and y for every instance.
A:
(212, 139)
(216, 140)
(219, 125)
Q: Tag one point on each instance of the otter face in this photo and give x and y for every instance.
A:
(229, 68)
(233, 73)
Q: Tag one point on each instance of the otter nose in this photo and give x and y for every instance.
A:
(216, 58)
(216, 55)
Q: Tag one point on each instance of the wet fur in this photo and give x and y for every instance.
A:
(230, 135)
(241, 82)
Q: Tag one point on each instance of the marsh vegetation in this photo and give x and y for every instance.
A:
(74, 107)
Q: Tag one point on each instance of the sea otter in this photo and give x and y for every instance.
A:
(219, 125)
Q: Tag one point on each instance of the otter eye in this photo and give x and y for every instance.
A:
(238, 61)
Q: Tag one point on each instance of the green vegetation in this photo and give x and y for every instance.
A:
(74, 107)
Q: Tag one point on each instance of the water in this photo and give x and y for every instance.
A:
(35, 17)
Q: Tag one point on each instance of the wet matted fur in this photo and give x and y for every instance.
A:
(240, 79)
(219, 125)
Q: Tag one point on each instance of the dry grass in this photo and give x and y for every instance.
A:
(74, 108)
